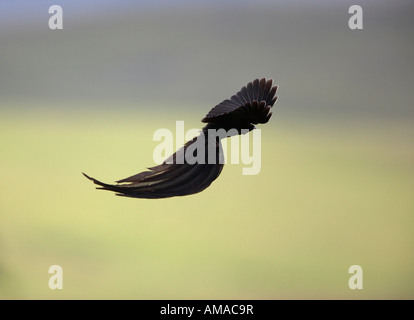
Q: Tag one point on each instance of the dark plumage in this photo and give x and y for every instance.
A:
(176, 176)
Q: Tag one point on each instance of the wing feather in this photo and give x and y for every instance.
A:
(247, 105)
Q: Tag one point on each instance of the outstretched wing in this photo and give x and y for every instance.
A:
(251, 104)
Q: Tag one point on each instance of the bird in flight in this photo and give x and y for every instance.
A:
(180, 175)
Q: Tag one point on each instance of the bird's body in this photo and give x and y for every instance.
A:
(179, 175)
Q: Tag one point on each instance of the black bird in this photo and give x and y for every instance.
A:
(177, 176)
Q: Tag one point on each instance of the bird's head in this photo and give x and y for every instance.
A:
(251, 127)
(246, 128)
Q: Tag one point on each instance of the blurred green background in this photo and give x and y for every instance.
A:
(337, 177)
